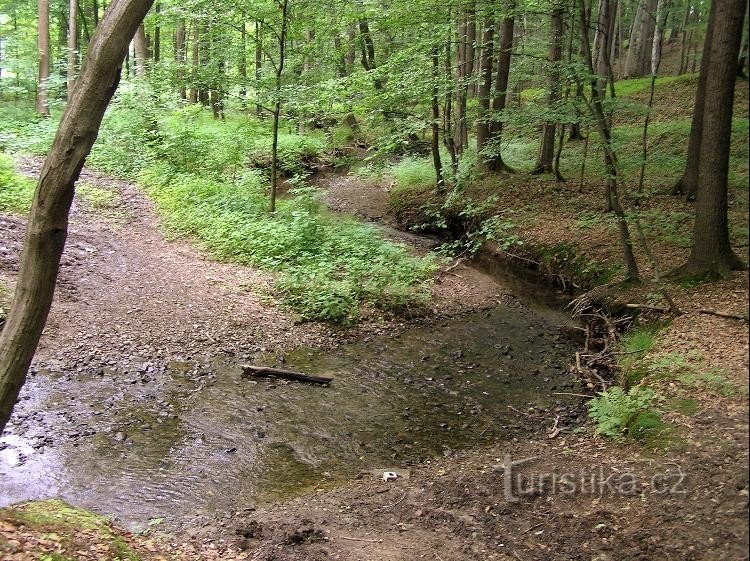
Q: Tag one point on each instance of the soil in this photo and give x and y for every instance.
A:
(687, 499)
(125, 290)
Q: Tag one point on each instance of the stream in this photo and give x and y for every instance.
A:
(186, 441)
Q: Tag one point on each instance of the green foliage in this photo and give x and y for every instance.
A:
(5, 297)
(619, 413)
(330, 267)
(96, 197)
(16, 192)
(412, 172)
(66, 523)
(563, 257)
(634, 345)
(296, 153)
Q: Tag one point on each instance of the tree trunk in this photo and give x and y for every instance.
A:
(72, 45)
(712, 254)
(462, 90)
(436, 161)
(546, 157)
(504, 59)
(277, 106)
(180, 48)
(687, 185)
(195, 63)
(610, 157)
(42, 95)
(48, 220)
(258, 64)
(242, 64)
(157, 34)
(603, 41)
(485, 84)
(684, 43)
(641, 40)
(141, 52)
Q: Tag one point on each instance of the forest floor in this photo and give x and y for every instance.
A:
(574, 496)
(127, 291)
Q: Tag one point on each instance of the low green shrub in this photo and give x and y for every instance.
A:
(16, 192)
(330, 267)
(619, 413)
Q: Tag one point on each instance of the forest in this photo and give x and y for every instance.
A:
(374, 279)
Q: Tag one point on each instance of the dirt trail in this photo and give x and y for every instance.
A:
(125, 291)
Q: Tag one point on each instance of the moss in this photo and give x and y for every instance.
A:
(68, 527)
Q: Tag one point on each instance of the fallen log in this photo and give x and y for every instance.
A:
(268, 372)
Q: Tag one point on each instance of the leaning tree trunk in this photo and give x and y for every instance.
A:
(687, 185)
(610, 157)
(48, 221)
(546, 157)
(504, 58)
(42, 95)
(435, 126)
(712, 254)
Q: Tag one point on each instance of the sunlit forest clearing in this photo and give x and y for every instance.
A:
(374, 280)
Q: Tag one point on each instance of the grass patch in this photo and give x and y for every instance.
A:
(16, 192)
(331, 268)
(633, 347)
(96, 197)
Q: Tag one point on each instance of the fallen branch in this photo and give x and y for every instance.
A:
(647, 307)
(267, 372)
(724, 315)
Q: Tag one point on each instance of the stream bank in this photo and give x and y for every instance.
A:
(454, 504)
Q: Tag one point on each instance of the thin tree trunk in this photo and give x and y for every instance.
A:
(485, 85)
(243, 63)
(72, 45)
(48, 220)
(277, 105)
(180, 48)
(42, 95)
(545, 160)
(610, 157)
(436, 161)
(157, 33)
(504, 59)
(687, 185)
(258, 64)
(712, 254)
(684, 43)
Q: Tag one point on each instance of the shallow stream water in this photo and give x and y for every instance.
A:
(199, 439)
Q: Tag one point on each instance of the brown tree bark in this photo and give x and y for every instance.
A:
(546, 157)
(485, 85)
(610, 157)
(180, 48)
(42, 93)
(157, 34)
(687, 185)
(48, 220)
(72, 45)
(504, 59)
(258, 63)
(277, 104)
(435, 125)
(712, 254)
(195, 63)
